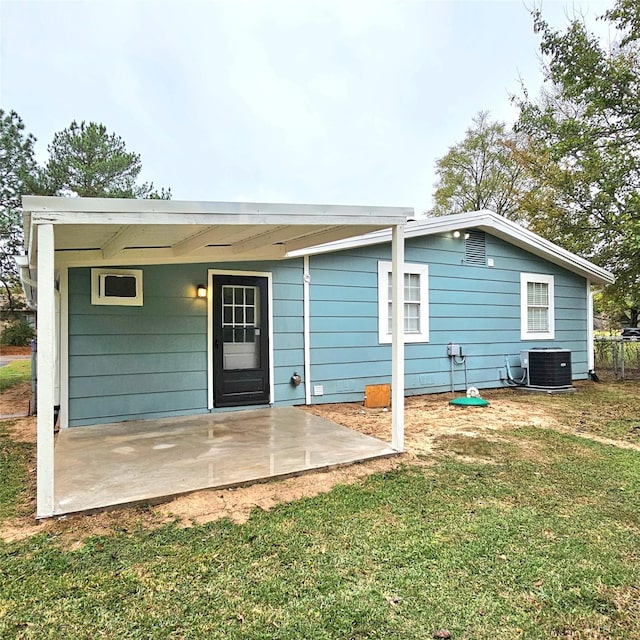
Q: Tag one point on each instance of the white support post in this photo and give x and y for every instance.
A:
(63, 347)
(306, 281)
(46, 370)
(397, 338)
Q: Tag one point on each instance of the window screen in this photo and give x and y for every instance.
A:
(537, 306)
(116, 287)
(120, 286)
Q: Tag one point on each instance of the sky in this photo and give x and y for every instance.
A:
(311, 101)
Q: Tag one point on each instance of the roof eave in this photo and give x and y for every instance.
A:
(486, 221)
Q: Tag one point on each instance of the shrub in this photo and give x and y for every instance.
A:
(17, 334)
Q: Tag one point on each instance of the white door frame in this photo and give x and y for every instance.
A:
(234, 272)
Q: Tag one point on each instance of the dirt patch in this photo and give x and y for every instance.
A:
(22, 429)
(428, 418)
(237, 504)
(430, 422)
(16, 400)
(194, 508)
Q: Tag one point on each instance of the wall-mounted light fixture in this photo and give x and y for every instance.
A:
(466, 236)
(201, 291)
(456, 234)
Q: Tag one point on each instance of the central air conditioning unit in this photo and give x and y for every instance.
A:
(547, 368)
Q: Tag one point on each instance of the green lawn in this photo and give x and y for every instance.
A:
(538, 538)
(607, 409)
(14, 373)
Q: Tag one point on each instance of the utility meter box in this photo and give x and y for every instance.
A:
(454, 350)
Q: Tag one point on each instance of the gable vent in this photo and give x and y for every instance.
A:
(475, 248)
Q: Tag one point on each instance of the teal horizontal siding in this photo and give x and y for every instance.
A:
(338, 309)
(139, 363)
(126, 384)
(344, 325)
(81, 324)
(331, 293)
(288, 324)
(86, 345)
(129, 363)
(185, 307)
(135, 404)
(150, 361)
(475, 306)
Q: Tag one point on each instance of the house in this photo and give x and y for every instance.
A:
(159, 309)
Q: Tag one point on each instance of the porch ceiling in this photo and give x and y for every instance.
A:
(113, 231)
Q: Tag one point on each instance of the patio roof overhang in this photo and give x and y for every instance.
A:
(112, 231)
(66, 232)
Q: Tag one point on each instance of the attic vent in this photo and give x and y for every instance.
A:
(475, 249)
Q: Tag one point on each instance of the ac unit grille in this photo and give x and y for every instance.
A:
(549, 368)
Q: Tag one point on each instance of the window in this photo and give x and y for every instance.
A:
(116, 287)
(536, 307)
(416, 302)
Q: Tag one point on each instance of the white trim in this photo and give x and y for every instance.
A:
(99, 298)
(145, 256)
(487, 221)
(229, 272)
(64, 348)
(397, 341)
(591, 357)
(306, 282)
(525, 279)
(61, 210)
(45, 371)
(210, 340)
(422, 270)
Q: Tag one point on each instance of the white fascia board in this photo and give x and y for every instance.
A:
(487, 221)
(56, 210)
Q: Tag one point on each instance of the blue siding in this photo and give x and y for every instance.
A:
(151, 361)
(475, 306)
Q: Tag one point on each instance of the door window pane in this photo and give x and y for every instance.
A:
(240, 329)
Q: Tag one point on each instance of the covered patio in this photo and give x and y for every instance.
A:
(141, 461)
(90, 467)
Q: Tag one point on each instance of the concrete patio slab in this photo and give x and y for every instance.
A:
(106, 465)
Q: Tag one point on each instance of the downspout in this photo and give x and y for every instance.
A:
(306, 281)
(591, 358)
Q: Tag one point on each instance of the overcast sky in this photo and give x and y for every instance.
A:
(347, 102)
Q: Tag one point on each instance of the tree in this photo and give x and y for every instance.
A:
(17, 173)
(584, 151)
(481, 172)
(85, 160)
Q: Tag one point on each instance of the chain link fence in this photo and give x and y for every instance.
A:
(617, 358)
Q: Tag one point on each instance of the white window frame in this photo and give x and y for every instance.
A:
(384, 273)
(525, 279)
(97, 297)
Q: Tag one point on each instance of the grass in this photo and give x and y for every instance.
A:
(14, 373)
(15, 483)
(610, 354)
(608, 409)
(537, 538)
